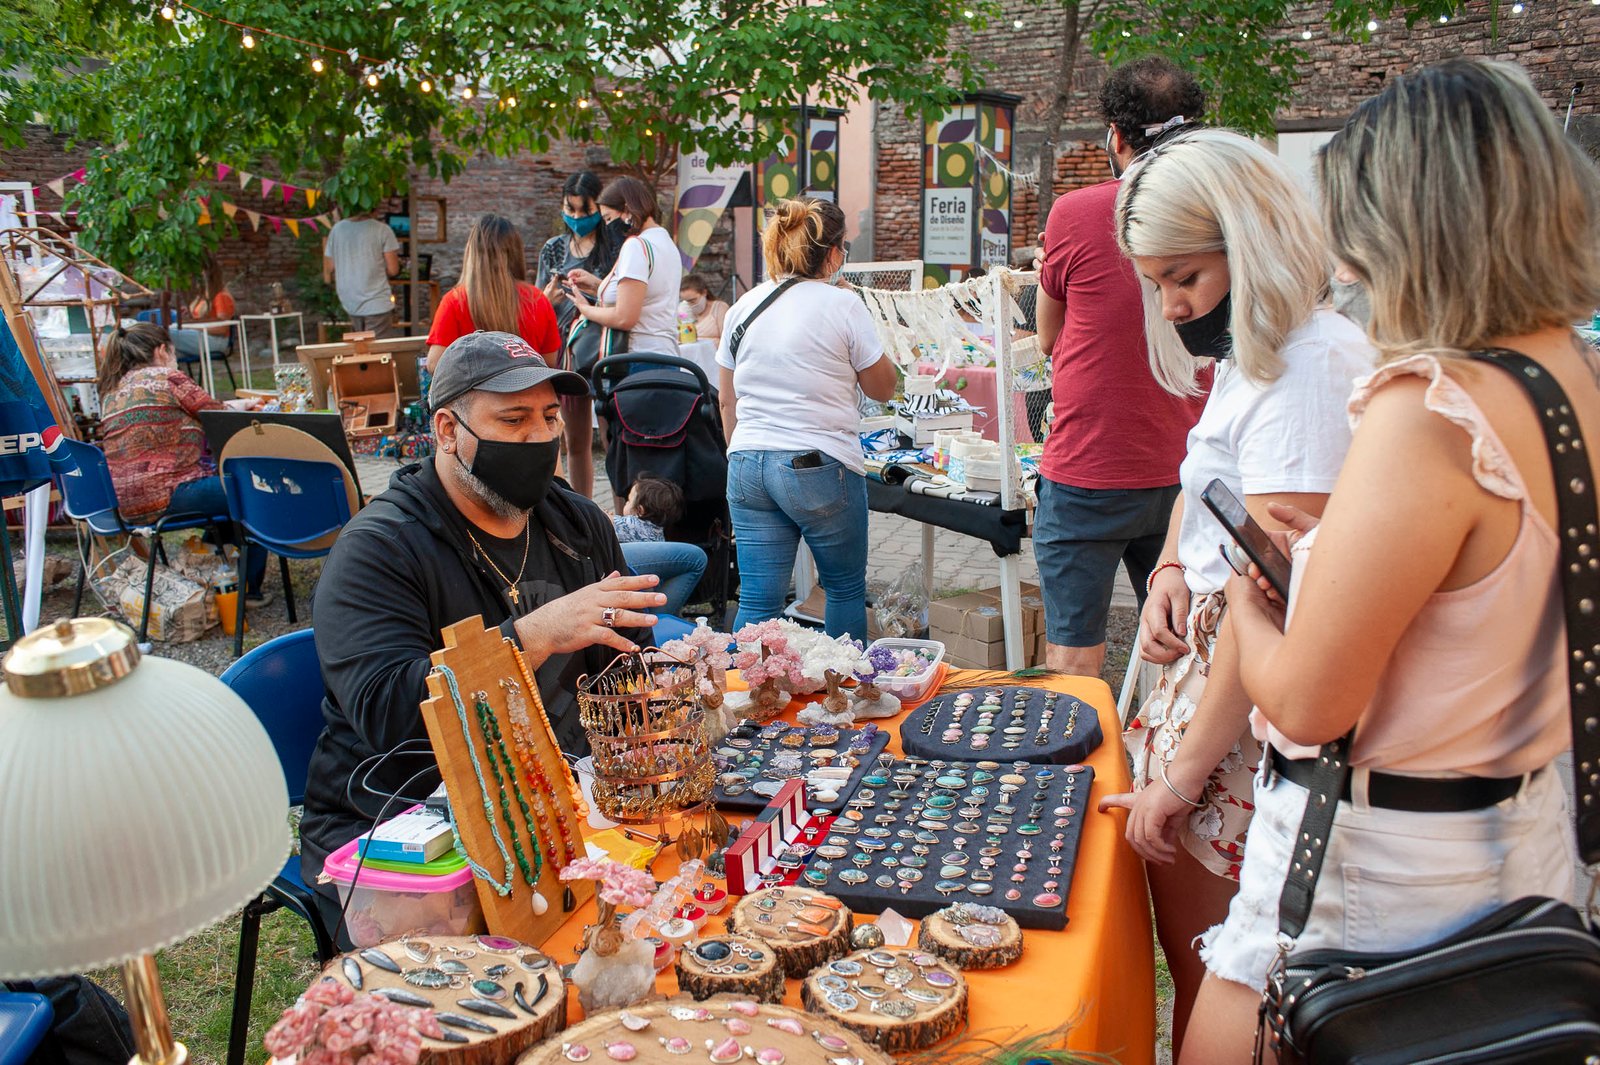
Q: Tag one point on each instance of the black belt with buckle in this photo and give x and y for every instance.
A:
(1418, 794)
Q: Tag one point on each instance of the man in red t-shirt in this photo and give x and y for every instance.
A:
(1109, 476)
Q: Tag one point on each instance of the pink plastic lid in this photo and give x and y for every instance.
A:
(341, 866)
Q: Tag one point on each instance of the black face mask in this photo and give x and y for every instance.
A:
(619, 229)
(1209, 336)
(520, 473)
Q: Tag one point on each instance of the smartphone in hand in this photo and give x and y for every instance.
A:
(1250, 537)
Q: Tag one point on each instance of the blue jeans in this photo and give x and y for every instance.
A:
(205, 496)
(773, 505)
(678, 565)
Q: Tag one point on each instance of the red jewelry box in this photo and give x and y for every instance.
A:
(756, 850)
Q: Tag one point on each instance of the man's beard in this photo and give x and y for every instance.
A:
(498, 504)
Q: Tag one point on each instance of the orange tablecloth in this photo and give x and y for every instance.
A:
(1098, 972)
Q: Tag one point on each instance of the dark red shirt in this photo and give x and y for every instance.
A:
(1114, 425)
(536, 321)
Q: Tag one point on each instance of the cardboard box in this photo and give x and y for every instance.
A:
(977, 653)
(975, 615)
(1039, 643)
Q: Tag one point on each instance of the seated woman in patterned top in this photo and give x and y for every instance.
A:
(152, 439)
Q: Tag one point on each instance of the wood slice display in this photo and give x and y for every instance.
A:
(899, 1000)
(805, 928)
(718, 1030)
(735, 965)
(463, 961)
(971, 937)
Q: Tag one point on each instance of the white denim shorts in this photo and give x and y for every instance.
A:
(1392, 879)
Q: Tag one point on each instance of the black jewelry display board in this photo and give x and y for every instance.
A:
(1071, 735)
(764, 741)
(909, 846)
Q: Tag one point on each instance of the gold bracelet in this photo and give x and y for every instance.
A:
(1179, 794)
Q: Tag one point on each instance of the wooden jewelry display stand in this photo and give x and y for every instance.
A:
(481, 659)
(897, 999)
(530, 988)
(804, 928)
(999, 944)
(733, 965)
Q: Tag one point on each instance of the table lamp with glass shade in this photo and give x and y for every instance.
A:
(140, 802)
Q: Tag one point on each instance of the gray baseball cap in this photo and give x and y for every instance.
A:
(496, 362)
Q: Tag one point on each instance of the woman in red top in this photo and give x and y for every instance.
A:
(494, 294)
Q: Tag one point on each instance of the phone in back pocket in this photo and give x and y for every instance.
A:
(807, 460)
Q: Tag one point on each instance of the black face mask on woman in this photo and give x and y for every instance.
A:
(619, 229)
(519, 472)
(1210, 336)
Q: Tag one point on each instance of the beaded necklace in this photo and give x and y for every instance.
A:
(558, 837)
(502, 887)
(494, 745)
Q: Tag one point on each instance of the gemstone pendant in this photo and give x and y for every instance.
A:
(485, 1007)
(499, 944)
(455, 1020)
(352, 973)
(418, 950)
(455, 968)
(488, 989)
(374, 956)
(403, 997)
(427, 976)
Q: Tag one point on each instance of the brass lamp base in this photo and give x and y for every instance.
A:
(147, 1010)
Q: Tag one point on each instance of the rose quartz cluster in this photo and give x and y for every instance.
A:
(333, 1025)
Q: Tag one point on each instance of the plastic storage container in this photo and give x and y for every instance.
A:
(916, 687)
(388, 904)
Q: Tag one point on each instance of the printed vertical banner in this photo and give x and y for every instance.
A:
(966, 202)
(822, 157)
(703, 194)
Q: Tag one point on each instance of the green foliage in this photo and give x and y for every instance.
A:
(170, 99)
(1242, 49)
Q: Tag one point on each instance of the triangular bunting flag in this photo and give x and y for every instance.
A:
(205, 219)
(79, 175)
(229, 209)
(245, 177)
(266, 186)
(293, 224)
(277, 223)
(205, 212)
(58, 186)
(311, 224)
(288, 192)
(255, 219)
(223, 170)
(311, 197)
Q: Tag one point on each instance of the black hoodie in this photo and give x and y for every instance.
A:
(400, 572)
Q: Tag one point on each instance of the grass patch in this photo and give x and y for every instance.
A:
(197, 981)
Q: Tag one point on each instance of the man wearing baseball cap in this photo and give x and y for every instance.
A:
(483, 527)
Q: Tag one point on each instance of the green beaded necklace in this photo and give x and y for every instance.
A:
(495, 746)
(502, 887)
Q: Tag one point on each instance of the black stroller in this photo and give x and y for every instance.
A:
(661, 418)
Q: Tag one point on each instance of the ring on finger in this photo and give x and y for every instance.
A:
(608, 617)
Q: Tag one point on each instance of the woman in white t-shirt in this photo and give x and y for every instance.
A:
(640, 294)
(793, 353)
(1235, 270)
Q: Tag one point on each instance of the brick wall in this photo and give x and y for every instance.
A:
(1558, 43)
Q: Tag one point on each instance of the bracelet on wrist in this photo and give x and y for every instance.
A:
(1173, 788)
(1169, 564)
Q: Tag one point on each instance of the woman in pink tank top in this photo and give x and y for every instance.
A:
(1426, 606)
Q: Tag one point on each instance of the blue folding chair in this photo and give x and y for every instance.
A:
(223, 351)
(281, 681)
(25, 1019)
(89, 496)
(282, 505)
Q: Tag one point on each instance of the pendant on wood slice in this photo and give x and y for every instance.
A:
(723, 1029)
(533, 1012)
(897, 999)
(731, 964)
(970, 936)
(805, 928)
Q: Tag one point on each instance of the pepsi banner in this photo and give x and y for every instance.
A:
(28, 431)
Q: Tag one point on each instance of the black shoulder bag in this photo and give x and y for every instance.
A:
(1521, 985)
(736, 337)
